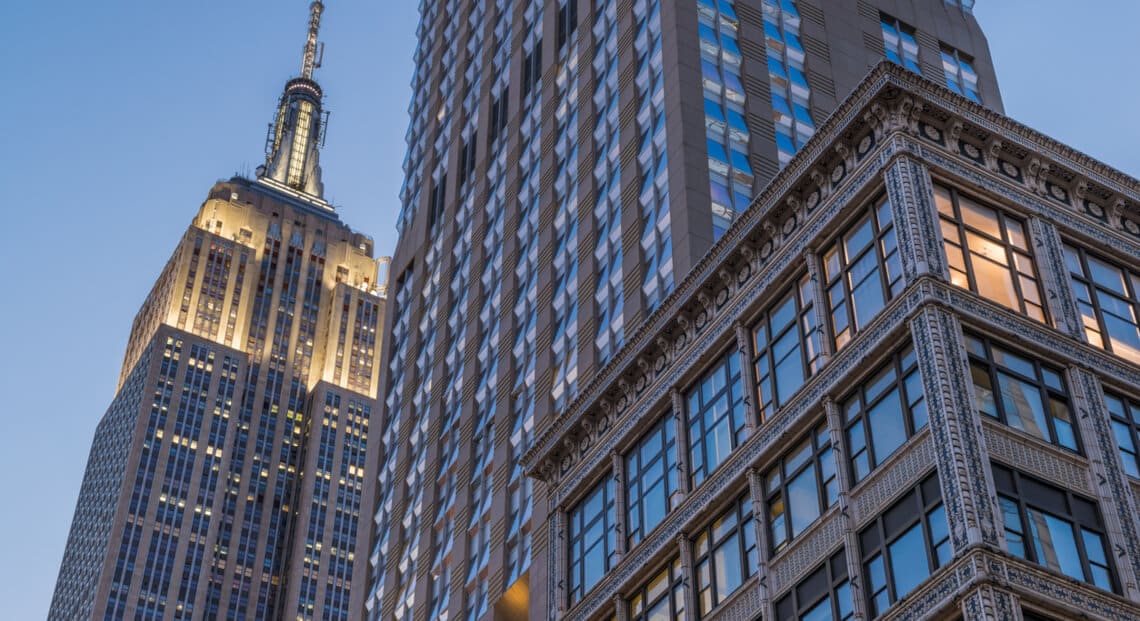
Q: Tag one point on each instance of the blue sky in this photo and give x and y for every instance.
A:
(117, 116)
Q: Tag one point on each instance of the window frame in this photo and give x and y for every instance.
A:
(961, 244)
(1045, 391)
(900, 28)
(821, 457)
(576, 573)
(747, 550)
(728, 363)
(958, 82)
(1017, 494)
(926, 497)
(888, 268)
(904, 362)
(673, 594)
(834, 589)
(809, 336)
(665, 453)
(1129, 418)
(1086, 279)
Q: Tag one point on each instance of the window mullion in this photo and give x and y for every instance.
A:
(748, 375)
(763, 542)
(621, 503)
(819, 305)
(684, 453)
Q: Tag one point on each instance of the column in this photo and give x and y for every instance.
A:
(688, 570)
(850, 535)
(911, 194)
(1114, 494)
(956, 428)
(763, 546)
(621, 500)
(1049, 255)
(987, 601)
(744, 345)
(681, 430)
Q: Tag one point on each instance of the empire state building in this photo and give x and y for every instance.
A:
(227, 477)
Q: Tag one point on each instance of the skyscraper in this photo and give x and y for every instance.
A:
(568, 162)
(226, 479)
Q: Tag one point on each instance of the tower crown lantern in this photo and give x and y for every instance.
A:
(292, 148)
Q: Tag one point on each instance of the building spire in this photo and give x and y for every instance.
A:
(292, 148)
(314, 53)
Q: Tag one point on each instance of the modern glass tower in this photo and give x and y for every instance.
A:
(570, 161)
(227, 478)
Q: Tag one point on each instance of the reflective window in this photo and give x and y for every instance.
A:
(791, 95)
(725, 553)
(1053, 528)
(899, 43)
(717, 416)
(825, 595)
(592, 537)
(960, 75)
(800, 487)
(862, 271)
(787, 346)
(988, 253)
(904, 545)
(883, 412)
(1108, 297)
(1126, 427)
(651, 479)
(662, 598)
(1021, 392)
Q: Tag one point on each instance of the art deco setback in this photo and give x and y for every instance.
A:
(903, 385)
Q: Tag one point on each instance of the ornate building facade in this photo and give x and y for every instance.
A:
(903, 385)
(227, 478)
(568, 163)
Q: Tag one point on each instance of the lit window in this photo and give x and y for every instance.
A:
(960, 75)
(1053, 528)
(904, 545)
(662, 598)
(988, 252)
(886, 410)
(1022, 393)
(822, 596)
(1126, 427)
(592, 539)
(800, 487)
(725, 554)
(899, 43)
(1108, 297)
(787, 348)
(862, 271)
(716, 414)
(651, 477)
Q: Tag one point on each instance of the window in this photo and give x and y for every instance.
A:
(822, 596)
(800, 487)
(592, 539)
(651, 478)
(1108, 297)
(1126, 428)
(725, 553)
(716, 416)
(883, 412)
(662, 599)
(567, 21)
(531, 69)
(1021, 393)
(902, 547)
(899, 43)
(960, 74)
(988, 253)
(1053, 528)
(862, 271)
(787, 348)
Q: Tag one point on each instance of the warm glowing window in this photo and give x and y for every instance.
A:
(300, 136)
(662, 598)
(862, 272)
(988, 252)
(1108, 297)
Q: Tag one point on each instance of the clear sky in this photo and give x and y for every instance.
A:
(117, 116)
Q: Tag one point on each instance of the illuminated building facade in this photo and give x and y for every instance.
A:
(903, 385)
(569, 162)
(227, 478)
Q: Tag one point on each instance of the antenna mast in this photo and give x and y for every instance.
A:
(312, 58)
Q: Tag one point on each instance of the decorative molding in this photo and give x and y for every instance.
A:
(805, 553)
(913, 461)
(1035, 457)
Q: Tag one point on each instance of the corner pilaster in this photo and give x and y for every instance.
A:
(911, 194)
